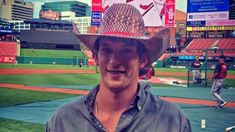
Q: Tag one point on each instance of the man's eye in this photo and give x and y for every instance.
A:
(106, 50)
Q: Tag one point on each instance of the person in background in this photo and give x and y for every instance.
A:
(146, 73)
(80, 63)
(218, 78)
(151, 72)
(119, 103)
(196, 70)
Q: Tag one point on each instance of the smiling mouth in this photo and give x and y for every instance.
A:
(116, 71)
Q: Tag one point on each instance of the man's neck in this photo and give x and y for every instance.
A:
(109, 105)
(115, 100)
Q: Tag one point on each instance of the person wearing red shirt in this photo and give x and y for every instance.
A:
(218, 78)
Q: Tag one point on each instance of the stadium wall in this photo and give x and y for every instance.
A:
(41, 60)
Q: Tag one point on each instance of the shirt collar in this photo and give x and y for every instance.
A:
(141, 95)
(89, 101)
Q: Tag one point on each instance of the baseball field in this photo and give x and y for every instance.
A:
(30, 93)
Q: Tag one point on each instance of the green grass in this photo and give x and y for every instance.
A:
(73, 79)
(70, 79)
(51, 79)
(171, 70)
(51, 53)
(161, 85)
(177, 77)
(11, 97)
(230, 82)
(7, 125)
(44, 66)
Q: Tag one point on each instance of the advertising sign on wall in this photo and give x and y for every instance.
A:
(5, 30)
(196, 23)
(170, 13)
(52, 15)
(96, 6)
(207, 5)
(220, 23)
(208, 16)
(212, 28)
(7, 59)
(96, 18)
(208, 13)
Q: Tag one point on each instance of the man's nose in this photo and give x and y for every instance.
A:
(115, 58)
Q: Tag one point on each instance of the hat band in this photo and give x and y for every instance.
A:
(120, 33)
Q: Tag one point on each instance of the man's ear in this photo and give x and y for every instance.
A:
(143, 62)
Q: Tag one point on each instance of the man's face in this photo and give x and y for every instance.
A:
(119, 64)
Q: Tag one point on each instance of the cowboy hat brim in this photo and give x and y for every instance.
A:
(155, 45)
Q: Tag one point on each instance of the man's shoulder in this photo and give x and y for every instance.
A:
(70, 107)
(156, 103)
(68, 114)
(78, 105)
(165, 106)
(159, 108)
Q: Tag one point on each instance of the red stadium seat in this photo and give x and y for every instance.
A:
(8, 48)
(198, 46)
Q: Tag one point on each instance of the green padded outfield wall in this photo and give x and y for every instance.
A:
(41, 60)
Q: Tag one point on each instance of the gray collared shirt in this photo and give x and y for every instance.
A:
(146, 113)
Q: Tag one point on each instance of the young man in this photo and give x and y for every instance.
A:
(119, 103)
(218, 78)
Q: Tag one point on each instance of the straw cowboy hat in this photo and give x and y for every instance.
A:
(125, 21)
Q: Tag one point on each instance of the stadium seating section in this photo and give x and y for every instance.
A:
(8, 48)
(198, 46)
